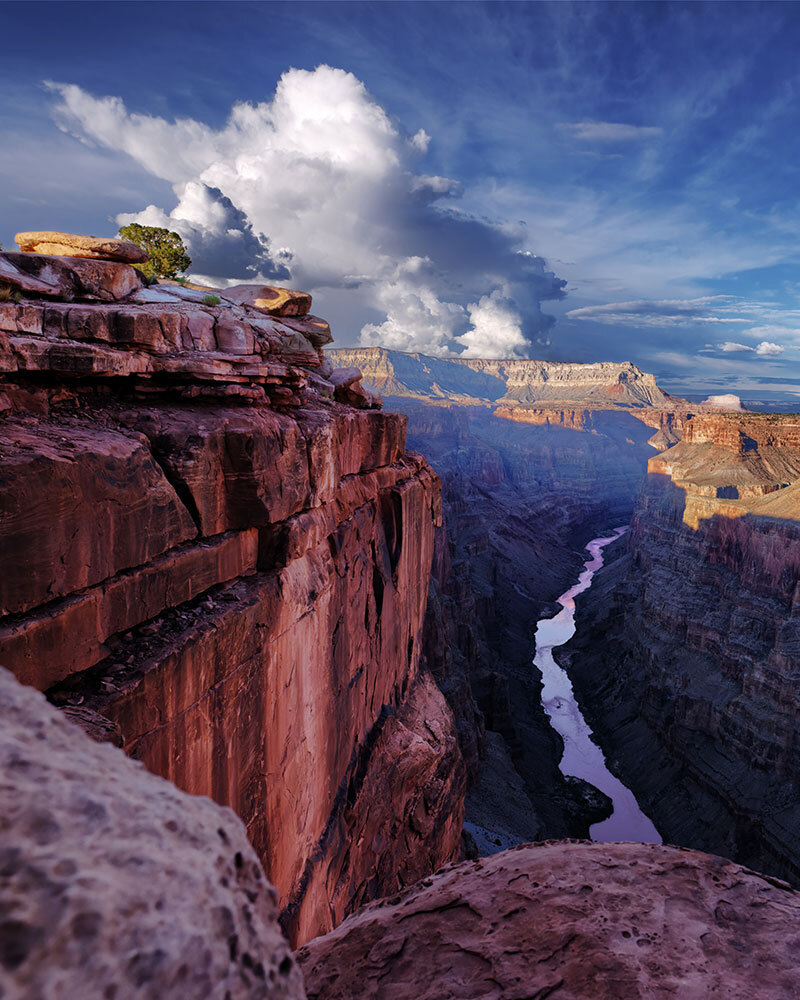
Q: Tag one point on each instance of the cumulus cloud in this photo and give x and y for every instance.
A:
(609, 131)
(320, 172)
(219, 235)
(769, 350)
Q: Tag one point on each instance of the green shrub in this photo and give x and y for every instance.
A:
(211, 300)
(9, 294)
(168, 256)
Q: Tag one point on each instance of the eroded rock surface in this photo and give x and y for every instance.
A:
(569, 920)
(221, 558)
(73, 245)
(115, 883)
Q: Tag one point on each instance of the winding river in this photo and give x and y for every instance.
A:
(583, 758)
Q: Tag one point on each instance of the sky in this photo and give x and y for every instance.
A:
(566, 181)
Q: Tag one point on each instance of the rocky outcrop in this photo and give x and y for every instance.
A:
(688, 647)
(225, 568)
(114, 883)
(572, 920)
(517, 382)
(72, 245)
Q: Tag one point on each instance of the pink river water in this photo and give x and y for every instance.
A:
(583, 758)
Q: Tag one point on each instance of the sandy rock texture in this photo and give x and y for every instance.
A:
(115, 884)
(569, 921)
(73, 245)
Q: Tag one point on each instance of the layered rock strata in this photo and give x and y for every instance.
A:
(117, 884)
(571, 920)
(220, 558)
(477, 380)
(687, 653)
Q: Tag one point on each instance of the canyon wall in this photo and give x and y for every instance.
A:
(216, 553)
(525, 485)
(687, 653)
(481, 380)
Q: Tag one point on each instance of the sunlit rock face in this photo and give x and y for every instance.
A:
(394, 373)
(217, 552)
(115, 883)
(572, 919)
(687, 654)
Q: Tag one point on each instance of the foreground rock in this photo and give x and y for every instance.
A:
(571, 920)
(116, 884)
(73, 245)
(223, 563)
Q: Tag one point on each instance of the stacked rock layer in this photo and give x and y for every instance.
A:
(216, 552)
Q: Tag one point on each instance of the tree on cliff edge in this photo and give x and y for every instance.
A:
(168, 256)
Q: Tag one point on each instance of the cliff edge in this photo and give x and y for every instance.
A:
(216, 553)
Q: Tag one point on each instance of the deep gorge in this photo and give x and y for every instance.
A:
(235, 567)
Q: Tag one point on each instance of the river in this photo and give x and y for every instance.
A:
(583, 758)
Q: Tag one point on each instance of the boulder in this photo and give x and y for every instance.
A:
(572, 920)
(117, 884)
(77, 278)
(275, 301)
(314, 329)
(11, 276)
(345, 376)
(73, 245)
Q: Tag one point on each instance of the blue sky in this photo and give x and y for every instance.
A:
(566, 181)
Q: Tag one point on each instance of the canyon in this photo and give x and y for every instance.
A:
(231, 575)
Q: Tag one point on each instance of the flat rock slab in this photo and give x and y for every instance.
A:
(74, 245)
(117, 884)
(571, 920)
(11, 276)
(272, 300)
(74, 277)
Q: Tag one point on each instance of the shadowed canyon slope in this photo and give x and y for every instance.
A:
(688, 654)
(525, 486)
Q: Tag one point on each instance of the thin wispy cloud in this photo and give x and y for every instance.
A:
(609, 131)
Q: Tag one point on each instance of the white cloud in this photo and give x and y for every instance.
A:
(496, 330)
(769, 350)
(421, 140)
(321, 171)
(589, 131)
(731, 346)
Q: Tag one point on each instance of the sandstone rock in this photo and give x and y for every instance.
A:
(12, 277)
(67, 492)
(117, 884)
(208, 558)
(314, 329)
(275, 301)
(572, 920)
(345, 376)
(80, 278)
(72, 245)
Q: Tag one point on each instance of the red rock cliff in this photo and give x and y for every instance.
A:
(211, 555)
